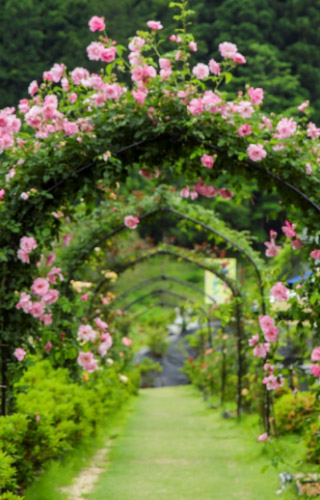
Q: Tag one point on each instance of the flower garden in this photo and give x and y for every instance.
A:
(111, 176)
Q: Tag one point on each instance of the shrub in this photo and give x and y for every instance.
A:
(313, 442)
(295, 412)
(53, 415)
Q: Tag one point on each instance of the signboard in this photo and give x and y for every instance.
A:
(217, 288)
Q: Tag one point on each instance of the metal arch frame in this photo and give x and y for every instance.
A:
(161, 277)
(156, 292)
(236, 293)
(182, 216)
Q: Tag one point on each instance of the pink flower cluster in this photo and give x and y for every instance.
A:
(186, 193)
(315, 254)
(27, 244)
(9, 125)
(315, 358)
(208, 102)
(272, 248)
(285, 128)
(46, 296)
(97, 51)
(268, 328)
(210, 191)
(229, 50)
(97, 23)
(100, 338)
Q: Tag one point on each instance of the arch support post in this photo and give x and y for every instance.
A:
(240, 356)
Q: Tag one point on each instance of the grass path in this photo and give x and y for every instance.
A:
(174, 448)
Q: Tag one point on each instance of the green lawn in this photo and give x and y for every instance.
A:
(174, 448)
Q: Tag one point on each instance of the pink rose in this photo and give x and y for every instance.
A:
(315, 370)
(285, 128)
(86, 333)
(201, 71)
(46, 319)
(185, 192)
(126, 342)
(131, 221)
(101, 324)
(23, 256)
(279, 292)
(84, 297)
(48, 346)
(2, 193)
(256, 152)
(51, 296)
(254, 340)
(84, 358)
(97, 23)
(271, 335)
(24, 196)
(228, 50)
(37, 309)
(40, 287)
(53, 274)
(315, 356)
(25, 302)
(193, 46)
(261, 350)
(256, 95)
(19, 353)
(50, 260)
(214, 67)
(154, 25)
(33, 87)
(263, 437)
(195, 107)
(27, 244)
(288, 230)
(315, 254)
(244, 129)
(303, 106)
(266, 322)
(207, 161)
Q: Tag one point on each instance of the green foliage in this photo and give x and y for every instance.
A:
(53, 414)
(295, 413)
(313, 442)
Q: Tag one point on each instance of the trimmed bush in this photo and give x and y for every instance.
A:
(294, 413)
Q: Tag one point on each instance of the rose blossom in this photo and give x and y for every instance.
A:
(303, 106)
(256, 95)
(24, 302)
(97, 23)
(40, 287)
(46, 319)
(253, 340)
(285, 128)
(48, 346)
(27, 244)
(279, 292)
(315, 370)
(154, 25)
(288, 230)
(131, 221)
(261, 350)
(86, 333)
(315, 356)
(19, 353)
(33, 87)
(53, 274)
(214, 67)
(244, 129)
(263, 437)
(207, 161)
(201, 71)
(37, 309)
(228, 50)
(101, 324)
(193, 46)
(126, 342)
(315, 254)
(256, 152)
(51, 296)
